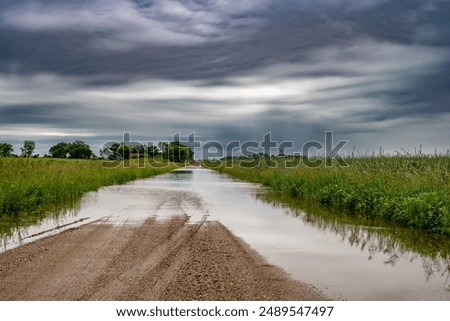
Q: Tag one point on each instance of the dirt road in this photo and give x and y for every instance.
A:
(158, 260)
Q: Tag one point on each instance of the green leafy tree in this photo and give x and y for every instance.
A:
(123, 151)
(111, 151)
(163, 149)
(117, 151)
(60, 150)
(76, 150)
(179, 153)
(28, 148)
(138, 151)
(174, 151)
(79, 150)
(6, 149)
(153, 151)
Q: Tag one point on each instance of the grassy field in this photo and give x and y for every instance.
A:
(32, 188)
(409, 190)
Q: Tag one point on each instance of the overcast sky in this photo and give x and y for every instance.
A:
(376, 72)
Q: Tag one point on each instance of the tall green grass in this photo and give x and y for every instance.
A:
(410, 190)
(30, 188)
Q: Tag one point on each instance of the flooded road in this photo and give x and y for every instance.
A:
(343, 259)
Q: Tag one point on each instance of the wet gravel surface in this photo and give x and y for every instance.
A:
(158, 260)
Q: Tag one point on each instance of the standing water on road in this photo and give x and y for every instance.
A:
(344, 258)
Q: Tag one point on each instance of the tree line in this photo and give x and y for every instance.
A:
(173, 151)
(75, 150)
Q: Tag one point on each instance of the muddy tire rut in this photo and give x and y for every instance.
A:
(158, 260)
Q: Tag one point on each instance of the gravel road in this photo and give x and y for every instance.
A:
(168, 259)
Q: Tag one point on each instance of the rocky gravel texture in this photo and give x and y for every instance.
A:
(159, 260)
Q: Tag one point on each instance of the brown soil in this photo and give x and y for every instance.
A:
(168, 260)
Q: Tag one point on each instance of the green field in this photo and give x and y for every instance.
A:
(31, 189)
(409, 190)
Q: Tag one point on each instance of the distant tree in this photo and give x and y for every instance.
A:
(179, 153)
(152, 151)
(138, 151)
(28, 148)
(163, 148)
(6, 149)
(116, 151)
(60, 150)
(110, 151)
(123, 151)
(76, 150)
(79, 150)
(174, 151)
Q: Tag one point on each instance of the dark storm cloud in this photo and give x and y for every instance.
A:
(25, 114)
(226, 69)
(283, 32)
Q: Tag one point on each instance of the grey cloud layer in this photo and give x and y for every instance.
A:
(127, 24)
(227, 69)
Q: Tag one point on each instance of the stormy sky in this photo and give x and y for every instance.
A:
(375, 72)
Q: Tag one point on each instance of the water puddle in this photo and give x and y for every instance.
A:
(346, 258)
